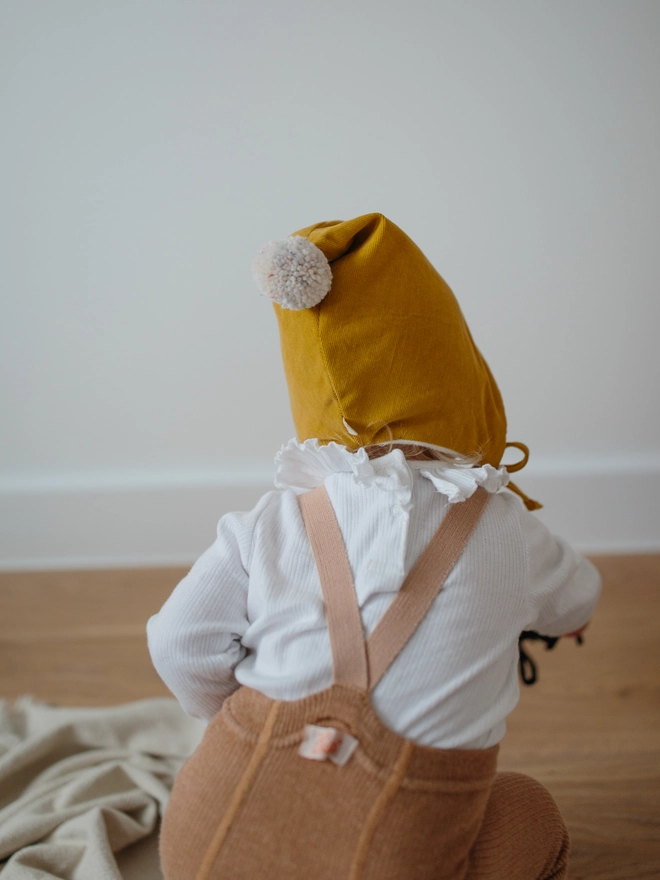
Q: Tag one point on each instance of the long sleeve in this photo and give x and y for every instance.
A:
(194, 640)
(563, 586)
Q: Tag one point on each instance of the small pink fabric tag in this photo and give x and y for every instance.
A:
(327, 743)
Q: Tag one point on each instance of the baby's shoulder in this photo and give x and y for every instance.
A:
(505, 510)
(278, 506)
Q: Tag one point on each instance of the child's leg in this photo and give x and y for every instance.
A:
(523, 836)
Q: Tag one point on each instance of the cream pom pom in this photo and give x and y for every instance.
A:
(293, 272)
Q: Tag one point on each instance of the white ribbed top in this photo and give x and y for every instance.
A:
(250, 611)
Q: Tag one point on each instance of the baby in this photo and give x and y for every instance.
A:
(353, 640)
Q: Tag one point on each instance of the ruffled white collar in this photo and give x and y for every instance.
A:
(304, 466)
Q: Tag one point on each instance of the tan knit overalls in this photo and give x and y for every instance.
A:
(247, 806)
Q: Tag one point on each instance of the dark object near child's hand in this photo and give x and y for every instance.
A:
(528, 671)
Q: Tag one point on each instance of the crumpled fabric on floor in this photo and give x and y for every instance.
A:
(82, 790)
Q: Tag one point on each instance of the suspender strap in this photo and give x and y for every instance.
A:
(355, 662)
(422, 585)
(349, 658)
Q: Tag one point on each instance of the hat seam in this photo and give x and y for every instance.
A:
(326, 365)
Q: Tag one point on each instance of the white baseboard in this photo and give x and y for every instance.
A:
(130, 523)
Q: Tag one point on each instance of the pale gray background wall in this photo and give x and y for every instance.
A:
(149, 148)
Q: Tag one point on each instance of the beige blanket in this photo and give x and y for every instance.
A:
(82, 790)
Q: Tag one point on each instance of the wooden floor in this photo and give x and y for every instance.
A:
(589, 730)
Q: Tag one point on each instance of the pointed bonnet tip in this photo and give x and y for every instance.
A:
(293, 272)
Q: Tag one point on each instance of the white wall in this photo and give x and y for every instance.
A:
(149, 148)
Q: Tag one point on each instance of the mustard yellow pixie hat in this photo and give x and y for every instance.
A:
(374, 343)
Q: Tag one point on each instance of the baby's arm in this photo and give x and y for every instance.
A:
(563, 586)
(194, 640)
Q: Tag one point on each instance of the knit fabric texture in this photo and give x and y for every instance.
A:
(448, 815)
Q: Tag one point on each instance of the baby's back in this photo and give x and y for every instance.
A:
(455, 682)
